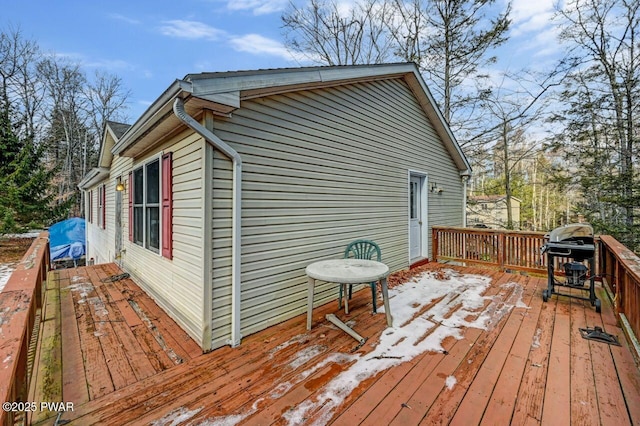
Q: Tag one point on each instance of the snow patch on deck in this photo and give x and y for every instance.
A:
(450, 382)
(426, 310)
(536, 339)
(175, 417)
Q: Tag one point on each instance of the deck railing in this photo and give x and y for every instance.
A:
(620, 269)
(20, 301)
(615, 265)
(506, 250)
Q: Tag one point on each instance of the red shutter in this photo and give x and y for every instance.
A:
(130, 206)
(104, 206)
(167, 207)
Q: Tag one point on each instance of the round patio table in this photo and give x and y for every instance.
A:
(345, 272)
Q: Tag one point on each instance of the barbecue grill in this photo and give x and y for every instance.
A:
(573, 247)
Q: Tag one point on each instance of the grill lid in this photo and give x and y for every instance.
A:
(578, 232)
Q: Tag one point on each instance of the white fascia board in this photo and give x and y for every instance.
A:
(152, 115)
(94, 176)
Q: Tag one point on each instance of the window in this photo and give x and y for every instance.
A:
(90, 205)
(413, 199)
(146, 206)
(150, 205)
(101, 207)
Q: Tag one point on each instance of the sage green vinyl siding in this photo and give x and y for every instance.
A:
(177, 284)
(320, 168)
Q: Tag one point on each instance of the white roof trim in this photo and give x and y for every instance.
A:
(94, 176)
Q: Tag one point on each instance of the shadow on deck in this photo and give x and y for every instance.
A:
(120, 364)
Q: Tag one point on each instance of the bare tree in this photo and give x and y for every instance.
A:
(106, 100)
(64, 83)
(18, 85)
(513, 110)
(451, 41)
(327, 33)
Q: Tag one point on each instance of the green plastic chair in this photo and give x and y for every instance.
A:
(362, 249)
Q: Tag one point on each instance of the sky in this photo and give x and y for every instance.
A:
(149, 44)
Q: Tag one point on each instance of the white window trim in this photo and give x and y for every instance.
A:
(143, 165)
(101, 198)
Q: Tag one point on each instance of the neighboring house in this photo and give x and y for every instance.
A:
(491, 211)
(233, 182)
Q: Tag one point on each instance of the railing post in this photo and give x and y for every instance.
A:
(434, 244)
(502, 250)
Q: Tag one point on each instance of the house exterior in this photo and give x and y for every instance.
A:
(231, 183)
(491, 211)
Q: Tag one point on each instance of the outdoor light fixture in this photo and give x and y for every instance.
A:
(120, 185)
(435, 188)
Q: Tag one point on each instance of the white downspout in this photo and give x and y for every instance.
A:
(465, 179)
(236, 216)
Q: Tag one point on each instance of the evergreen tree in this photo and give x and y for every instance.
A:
(24, 180)
(601, 112)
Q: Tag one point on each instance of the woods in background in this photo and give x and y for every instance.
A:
(51, 120)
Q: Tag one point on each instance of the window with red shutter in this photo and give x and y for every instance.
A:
(167, 206)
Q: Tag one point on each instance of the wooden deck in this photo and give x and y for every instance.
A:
(99, 336)
(120, 364)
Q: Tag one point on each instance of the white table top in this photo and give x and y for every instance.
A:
(347, 271)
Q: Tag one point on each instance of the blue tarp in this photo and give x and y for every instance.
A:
(67, 239)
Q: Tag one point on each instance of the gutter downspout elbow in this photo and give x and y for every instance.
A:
(236, 215)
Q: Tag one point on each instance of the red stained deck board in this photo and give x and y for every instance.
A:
(311, 387)
(480, 386)
(529, 402)
(471, 408)
(503, 398)
(140, 365)
(626, 367)
(98, 377)
(246, 382)
(103, 319)
(584, 407)
(74, 381)
(610, 399)
(177, 341)
(384, 399)
(557, 399)
(231, 363)
(118, 296)
(235, 380)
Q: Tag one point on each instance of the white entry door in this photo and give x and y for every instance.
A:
(415, 217)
